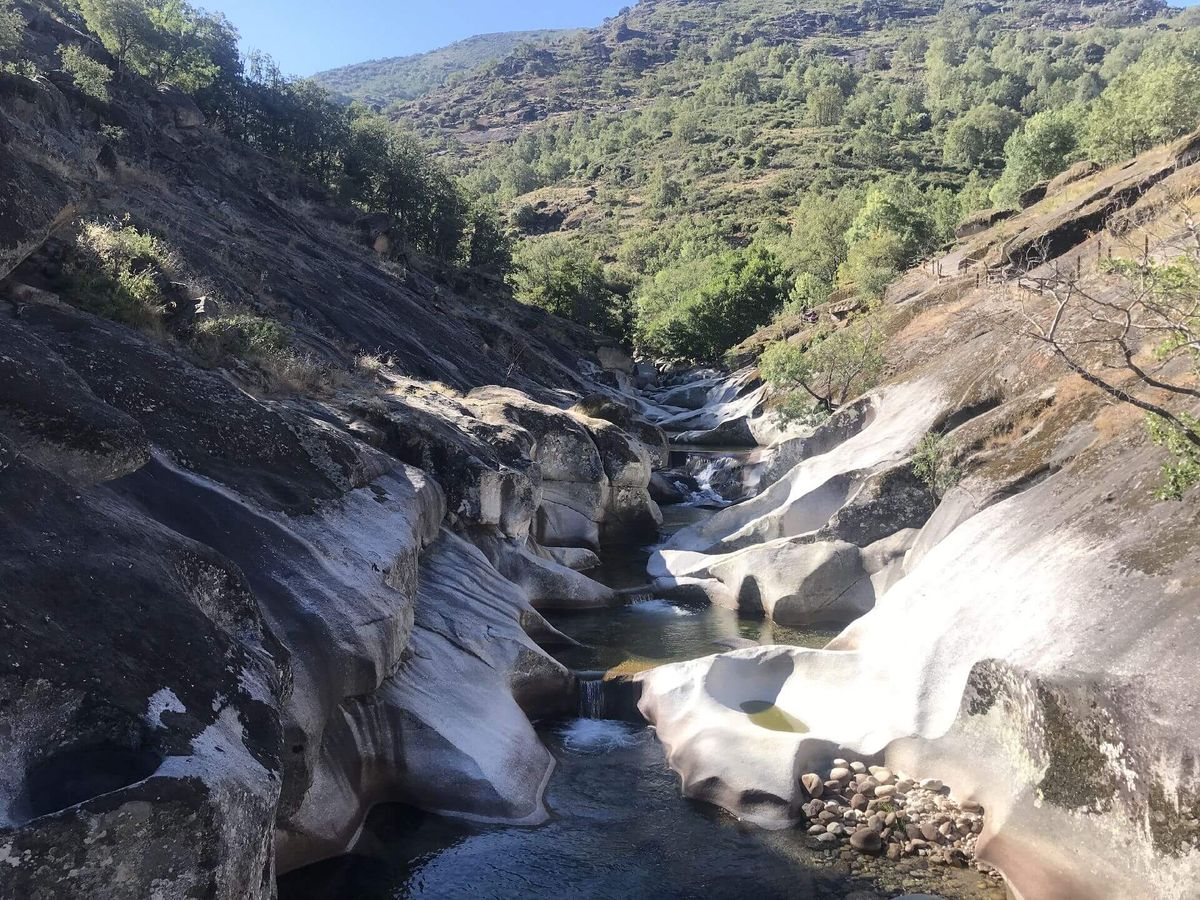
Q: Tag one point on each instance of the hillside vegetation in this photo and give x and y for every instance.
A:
(385, 81)
(826, 146)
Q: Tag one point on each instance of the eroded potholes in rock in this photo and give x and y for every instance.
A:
(75, 775)
(619, 826)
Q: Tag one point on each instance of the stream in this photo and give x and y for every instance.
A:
(619, 827)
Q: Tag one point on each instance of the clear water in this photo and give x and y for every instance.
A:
(652, 631)
(619, 830)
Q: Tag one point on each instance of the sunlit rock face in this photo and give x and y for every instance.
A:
(594, 477)
(1024, 637)
(814, 546)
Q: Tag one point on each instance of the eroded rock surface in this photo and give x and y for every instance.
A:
(1021, 637)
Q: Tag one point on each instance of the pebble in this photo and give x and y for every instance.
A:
(813, 784)
(886, 809)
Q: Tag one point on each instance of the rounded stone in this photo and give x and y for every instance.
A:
(866, 840)
(816, 829)
(882, 774)
(835, 828)
(858, 801)
(904, 785)
(813, 784)
(884, 790)
(858, 767)
(931, 784)
(840, 774)
(894, 852)
(826, 838)
(929, 831)
(840, 763)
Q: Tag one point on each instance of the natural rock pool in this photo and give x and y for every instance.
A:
(619, 827)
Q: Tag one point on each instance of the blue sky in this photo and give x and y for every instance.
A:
(307, 36)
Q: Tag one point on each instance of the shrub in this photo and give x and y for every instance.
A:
(90, 76)
(932, 464)
(11, 25)
(1183, 472)
(267, 345)
(240, 335)
(121, 273)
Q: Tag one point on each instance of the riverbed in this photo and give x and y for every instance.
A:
(619, 827)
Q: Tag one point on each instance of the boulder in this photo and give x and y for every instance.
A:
(140, 703)
(796, 582)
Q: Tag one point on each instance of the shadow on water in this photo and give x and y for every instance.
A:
(619, 829)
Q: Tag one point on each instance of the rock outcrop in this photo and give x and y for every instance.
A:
(1021, 637)
(238, 615)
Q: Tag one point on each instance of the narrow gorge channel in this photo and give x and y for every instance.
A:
(619, 827)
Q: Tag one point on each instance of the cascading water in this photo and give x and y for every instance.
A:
(592, 699)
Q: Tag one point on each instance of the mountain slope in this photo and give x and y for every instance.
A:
(385, 81)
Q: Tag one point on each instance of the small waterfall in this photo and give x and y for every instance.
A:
(592, 699)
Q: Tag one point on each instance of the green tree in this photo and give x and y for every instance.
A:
(1042, 149)
(827, 370)
(168, 41)
(977, 138)
(489, 247)
(564, 279)
(825, 104)
(699, 310)
(121, 26)
(933, 464)
(1149, 103)
(873, 262)
(896, 206)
